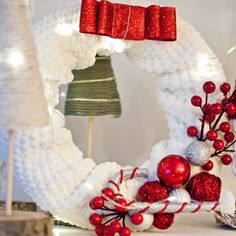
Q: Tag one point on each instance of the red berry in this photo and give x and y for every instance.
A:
(224, 101)
(196, 101)
(211, 135)
(208, 166)
(107, 231)
(125, 231)
(95, 219)
(226, 159)
(209, 87)
(230, 109)
(225, 127)
(122, 202)
(216, 108)
(108, 192)
(99, 230)
(225, 87)
(137, 218)
(206, 108)
(229, 137)
(96, 203)
(192, 131)
(115, 226)
(218, 144)
(210, 117)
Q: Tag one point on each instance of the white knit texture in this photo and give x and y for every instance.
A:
(22, 100)
(48, 164)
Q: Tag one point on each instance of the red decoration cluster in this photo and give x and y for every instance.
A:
(153, 191)
(128, 22)
(212, 127)
(204, 187)
(173, 171)
(163, 220)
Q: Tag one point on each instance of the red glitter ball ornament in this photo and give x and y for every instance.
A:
(204, 187)
(173, 171)
(152, 191)
(163, 220)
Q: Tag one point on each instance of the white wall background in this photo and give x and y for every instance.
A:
(129, 139)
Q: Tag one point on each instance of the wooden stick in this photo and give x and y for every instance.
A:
(90, 137)
(10, 173)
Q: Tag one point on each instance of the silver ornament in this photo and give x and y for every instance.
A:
(198, 153)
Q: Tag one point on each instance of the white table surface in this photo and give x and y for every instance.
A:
(185, 224)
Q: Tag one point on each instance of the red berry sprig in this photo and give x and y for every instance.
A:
(219, 132)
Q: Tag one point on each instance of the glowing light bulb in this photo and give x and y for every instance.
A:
(64, 29)
(15, 59)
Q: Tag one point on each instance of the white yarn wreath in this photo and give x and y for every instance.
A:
(50, 167)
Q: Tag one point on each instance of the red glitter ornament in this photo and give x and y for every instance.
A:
(173, 171)
(152, 191)
(204, 187)
(163, 220)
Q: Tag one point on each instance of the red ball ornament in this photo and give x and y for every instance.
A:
(152, 191)
(125, 231)
(196, 101)
(115, 226)
(209, 87)
(121, 202)
(229, 137)
(208, 166)
(137, 218)
(204, 187)
(192, 131)
(225, 127)
(225, 88)
(211, 135)
(230, 109)
(216, 108)
(163, 220)
(96, 203)
(95, 219)
(173, 171)
(226, 159)
(108, 192)
(218, 144)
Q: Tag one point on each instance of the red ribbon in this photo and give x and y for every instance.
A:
(128, 22)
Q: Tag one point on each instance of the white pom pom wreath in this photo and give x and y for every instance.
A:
(49, 166)
(147, 223)
(179, 196)
(227, 202)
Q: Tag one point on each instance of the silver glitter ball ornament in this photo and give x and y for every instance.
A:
(198, 153)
